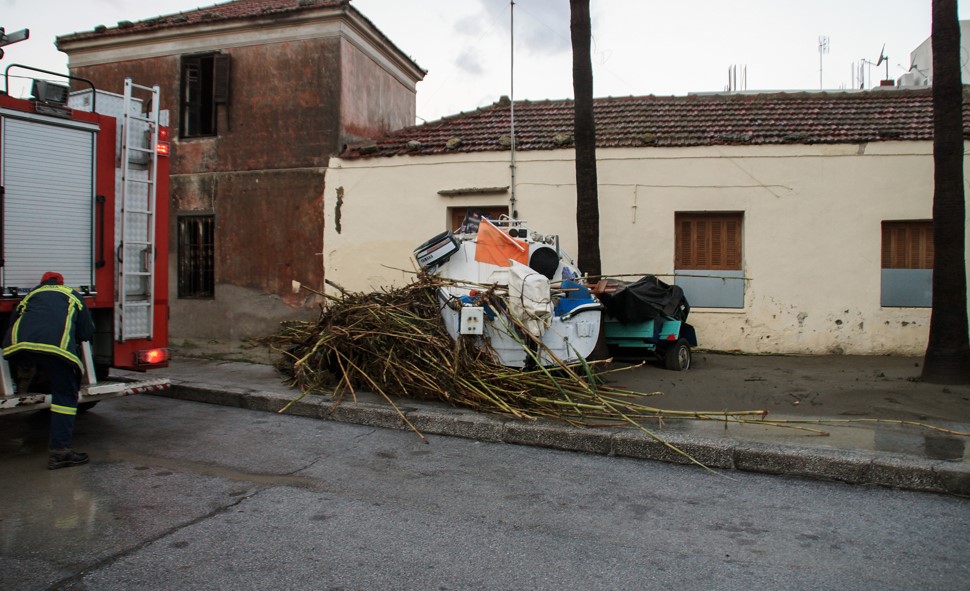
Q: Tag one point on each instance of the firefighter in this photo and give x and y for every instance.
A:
(45, 331)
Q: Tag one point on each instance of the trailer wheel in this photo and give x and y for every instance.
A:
(677, 358)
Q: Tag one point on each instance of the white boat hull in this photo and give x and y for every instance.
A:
(570, 331)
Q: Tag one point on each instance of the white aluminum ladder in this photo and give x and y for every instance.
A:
(134, 296)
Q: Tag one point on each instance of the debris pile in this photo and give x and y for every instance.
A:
(394, 343)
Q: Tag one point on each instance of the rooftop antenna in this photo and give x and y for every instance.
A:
(883, 58)
(733, 84)
(866, 65)
(512, 210)
(823, 48)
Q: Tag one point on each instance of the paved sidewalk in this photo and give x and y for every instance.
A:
(846, 393)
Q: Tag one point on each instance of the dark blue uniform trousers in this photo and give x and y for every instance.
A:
(64, 381)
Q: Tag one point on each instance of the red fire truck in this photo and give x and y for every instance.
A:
(84, 192)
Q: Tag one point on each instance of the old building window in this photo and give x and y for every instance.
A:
(196, 256)
(707, 258)
(205, 85)
(907, 263)
(457, 215)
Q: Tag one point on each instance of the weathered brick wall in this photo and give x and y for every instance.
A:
(283, 112)
(262, 175)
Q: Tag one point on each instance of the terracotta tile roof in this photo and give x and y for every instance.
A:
(237, 9)
(695, 120)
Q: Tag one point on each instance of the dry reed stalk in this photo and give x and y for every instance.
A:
(394, 343)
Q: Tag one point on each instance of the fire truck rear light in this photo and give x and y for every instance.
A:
(151, 356)
(162, 148)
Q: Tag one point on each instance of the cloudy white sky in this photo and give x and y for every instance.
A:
(639, 46)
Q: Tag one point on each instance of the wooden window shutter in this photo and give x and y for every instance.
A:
(220, 78)
(915, 252)
(684, 255)
(887, 246)
(708, 241)
(732, 243)
(907, 245)
(702, 252)
(718, 249)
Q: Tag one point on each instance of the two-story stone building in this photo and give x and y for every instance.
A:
(260, 94)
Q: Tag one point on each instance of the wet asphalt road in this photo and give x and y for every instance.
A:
(183, 495)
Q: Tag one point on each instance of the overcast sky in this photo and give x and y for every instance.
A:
(640, 47)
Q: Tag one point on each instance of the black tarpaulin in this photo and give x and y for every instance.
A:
(646, 299)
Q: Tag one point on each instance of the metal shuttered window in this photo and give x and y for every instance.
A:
(709, 244)
(48, 179)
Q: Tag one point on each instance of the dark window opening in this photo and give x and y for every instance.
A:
(457, 215)
(205, 85)
(196, 256)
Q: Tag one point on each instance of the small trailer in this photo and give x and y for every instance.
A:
(649, 317)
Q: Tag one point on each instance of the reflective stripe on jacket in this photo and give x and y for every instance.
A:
(50, 319)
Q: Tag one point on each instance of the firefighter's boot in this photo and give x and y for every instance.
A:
(65, 458)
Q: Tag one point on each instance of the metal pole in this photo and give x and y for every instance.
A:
(512, 208)
(823, 48)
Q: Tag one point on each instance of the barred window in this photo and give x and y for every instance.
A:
(196, 256)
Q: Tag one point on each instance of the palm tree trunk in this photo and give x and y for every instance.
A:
(587, 200)
(947, 359)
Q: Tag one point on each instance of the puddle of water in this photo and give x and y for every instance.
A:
(896, 438)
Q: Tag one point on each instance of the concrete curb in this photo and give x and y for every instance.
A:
(823, 463)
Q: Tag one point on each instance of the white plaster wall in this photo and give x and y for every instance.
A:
(386, 207)
(811, 244)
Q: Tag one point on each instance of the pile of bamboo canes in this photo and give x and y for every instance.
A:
(394, 343)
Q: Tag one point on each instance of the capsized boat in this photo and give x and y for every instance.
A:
(545, 313)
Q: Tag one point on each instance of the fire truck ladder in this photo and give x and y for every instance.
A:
(134, 305)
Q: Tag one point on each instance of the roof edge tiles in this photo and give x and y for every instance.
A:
(678, 121)
(223, 11)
